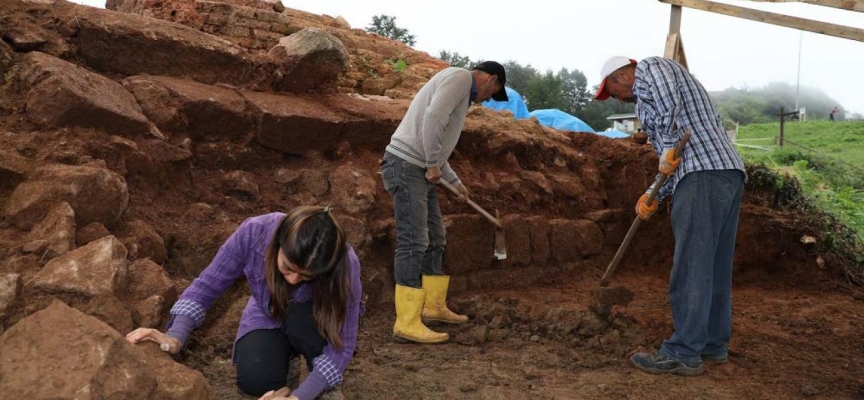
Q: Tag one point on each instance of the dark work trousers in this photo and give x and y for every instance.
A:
(262, 356)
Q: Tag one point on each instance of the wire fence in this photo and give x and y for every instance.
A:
(821, 154)
(754, 143)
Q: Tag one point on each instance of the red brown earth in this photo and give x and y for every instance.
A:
(131, 147)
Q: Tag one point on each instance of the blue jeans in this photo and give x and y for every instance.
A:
(704, 222)
(420, 233)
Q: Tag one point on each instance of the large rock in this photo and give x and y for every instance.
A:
(147, 241)
(82, 357)
(536, 182)
(563, 240)
(377, 86)
(470, 244)
(97, 269)
(518, 240)
(131, 44)
(147, 313)
(23, 264)
(355, 230)
(25, 38)
(10, 288)
(111, 311)
(64, 94)
(590, 238)
(295, 125)
(352, 189)
(95, 194)
(309, 59)
(203, 111)
(314, 181)
(538, 227)
(162, 151)
(7, 59)
(57, 229)
(146, 279)
(88, 360)
(572, 240)
(90, 233)
(175, 381)
(240, 184)
(13, 168)
(372, 122)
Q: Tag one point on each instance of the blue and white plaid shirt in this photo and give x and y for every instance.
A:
(667, 94)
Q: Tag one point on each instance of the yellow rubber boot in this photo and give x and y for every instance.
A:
(435, 308)
(409, 303)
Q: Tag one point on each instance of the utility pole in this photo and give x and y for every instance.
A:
(798, 81)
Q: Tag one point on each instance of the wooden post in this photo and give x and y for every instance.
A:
(675, 19)
(781, 126)
(674, 44)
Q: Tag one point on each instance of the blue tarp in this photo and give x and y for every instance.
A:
(515, 104)
(560, 120)
(612, 133)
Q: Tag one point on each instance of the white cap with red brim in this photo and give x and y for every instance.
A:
(611, 65)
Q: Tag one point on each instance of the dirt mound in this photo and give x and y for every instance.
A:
(170, 132)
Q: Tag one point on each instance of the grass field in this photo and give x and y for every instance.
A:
(827, 158)
(840, 140)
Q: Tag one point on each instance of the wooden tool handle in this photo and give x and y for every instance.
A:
(479, 209)
(635, 226)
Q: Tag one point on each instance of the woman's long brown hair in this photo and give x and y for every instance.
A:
(311, 239)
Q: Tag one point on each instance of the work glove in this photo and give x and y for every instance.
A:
(643, 209)
(668, 162)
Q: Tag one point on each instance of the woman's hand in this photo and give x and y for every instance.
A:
(278, 395)
(166, 343)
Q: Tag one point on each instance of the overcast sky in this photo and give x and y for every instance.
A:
(722, 51)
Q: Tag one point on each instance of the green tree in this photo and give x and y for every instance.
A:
(595, 112)
(544, 91)
(574, 90)
(385, 25)
(456, 60)
(518, 76)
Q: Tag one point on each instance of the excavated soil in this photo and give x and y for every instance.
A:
(543, 343)
(536, 331)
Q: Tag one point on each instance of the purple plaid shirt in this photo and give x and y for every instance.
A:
(243, 255)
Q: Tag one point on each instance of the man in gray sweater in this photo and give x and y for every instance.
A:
(414, 162)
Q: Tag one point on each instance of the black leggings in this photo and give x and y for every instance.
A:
(263, 355)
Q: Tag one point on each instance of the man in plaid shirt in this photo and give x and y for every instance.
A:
(707, 187)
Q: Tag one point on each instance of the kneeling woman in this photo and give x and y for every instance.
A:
(305, 284)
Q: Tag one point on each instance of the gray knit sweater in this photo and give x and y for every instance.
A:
(430, 129)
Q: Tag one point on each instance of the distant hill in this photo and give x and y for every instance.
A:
(758, 105)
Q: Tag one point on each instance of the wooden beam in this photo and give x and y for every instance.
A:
(851, 5)
(804, 24)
